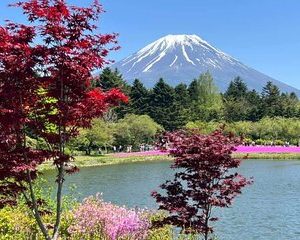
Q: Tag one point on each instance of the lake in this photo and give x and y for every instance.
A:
(267, 210)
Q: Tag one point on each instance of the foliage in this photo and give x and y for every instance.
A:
(92, 219)
(244, 105)
(182, 102)
(16, 223)
(203, 127)
(237, 89)
(240, 103)
(204, 180)
(271, 100)
(161, 233)
(60, 63)
(173, 107)
(277, 130)
(162, 105)
(206, 103)
(109, 79)
(100, 134)
(139, 98)
(135, 130)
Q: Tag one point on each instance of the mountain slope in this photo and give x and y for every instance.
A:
(181, 58)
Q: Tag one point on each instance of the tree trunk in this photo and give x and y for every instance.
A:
(35, 210)
(60, 181)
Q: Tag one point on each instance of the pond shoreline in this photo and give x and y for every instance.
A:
(112, 159)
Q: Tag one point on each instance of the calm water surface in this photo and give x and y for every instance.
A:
(267, 210)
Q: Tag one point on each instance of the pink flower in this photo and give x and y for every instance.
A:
(96, 218)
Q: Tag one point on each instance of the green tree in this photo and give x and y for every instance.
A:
(182, 103)
(206, 104)
(241, 104)
(135, 130)
(204, 127)
(163, 106)
(236, 110)
(99, 135)
(109, 79)
(182, 96)
(289, 104)
(271, 100)
(236, 90)
(139, 98)
(193, 90)
(254, 106)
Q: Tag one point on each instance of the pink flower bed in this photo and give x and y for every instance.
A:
(240, 149)
(267, 149)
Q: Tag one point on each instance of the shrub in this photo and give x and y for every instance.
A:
(93, 219)
(96, 219)
(161, 233)
(279, 142)
(15, 223)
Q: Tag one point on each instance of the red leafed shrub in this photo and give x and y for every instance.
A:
(45, 75)
(204, 179)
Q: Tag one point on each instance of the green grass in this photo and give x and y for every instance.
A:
(102, 160)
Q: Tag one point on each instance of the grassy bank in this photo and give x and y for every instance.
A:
(102, 160)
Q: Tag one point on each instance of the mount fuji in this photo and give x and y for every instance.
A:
(181, 58)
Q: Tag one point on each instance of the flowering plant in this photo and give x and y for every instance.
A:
(95, 218)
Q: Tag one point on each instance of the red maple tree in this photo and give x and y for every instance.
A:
(45, 75)
(204, 179)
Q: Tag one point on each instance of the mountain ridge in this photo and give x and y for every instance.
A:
(181, 58)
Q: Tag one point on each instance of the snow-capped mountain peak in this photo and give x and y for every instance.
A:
(181, 58)
(166, 45)
(171, 41)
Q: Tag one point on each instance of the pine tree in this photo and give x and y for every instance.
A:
(271, 99)
(254, 101)
(237, 89)
(241, 104)
(182, 102)
(182, 96)
(109, 79)
(289, 105)
(162, 105)
(193, 90)
(139, 98)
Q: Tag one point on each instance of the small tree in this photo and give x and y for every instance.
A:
(139, 98)
(45, 76)
(206, 102)
(99, 135)
(136, 129)
(204, 180)
(162, 105)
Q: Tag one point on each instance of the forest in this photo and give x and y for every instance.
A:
(263, 118)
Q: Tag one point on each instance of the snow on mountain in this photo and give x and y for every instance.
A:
(181, 58)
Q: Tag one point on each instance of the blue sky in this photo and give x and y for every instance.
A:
(263, 34)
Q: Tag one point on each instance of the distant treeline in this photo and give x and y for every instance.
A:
(174, 107)
(267, 131)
